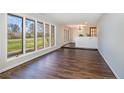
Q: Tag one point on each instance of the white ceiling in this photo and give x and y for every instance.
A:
(73, 18)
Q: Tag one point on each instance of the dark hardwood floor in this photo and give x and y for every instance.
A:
(63, 64)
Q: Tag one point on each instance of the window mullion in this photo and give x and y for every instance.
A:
(35, 35)
(50, 34)
(54, 35)
(44, 36)
(24, 35)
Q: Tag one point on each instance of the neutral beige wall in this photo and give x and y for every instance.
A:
(111, 42)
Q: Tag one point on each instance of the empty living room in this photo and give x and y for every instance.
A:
(61, 46)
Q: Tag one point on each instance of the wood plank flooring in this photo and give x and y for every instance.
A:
(63, 64)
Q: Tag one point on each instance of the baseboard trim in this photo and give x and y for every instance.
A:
(109, 65)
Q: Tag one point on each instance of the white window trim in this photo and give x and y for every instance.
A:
(54, 35)
(7, 35)
(43, 35)
(35, 35)
(50, 35)
(24, 36)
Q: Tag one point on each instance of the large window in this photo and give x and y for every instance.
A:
(47, 35)
(40, 35)
(30, 35)
(22, 37)
(52, 35)
(15, 42)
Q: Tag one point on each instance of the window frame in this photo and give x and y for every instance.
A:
(9, 14)
(43, 34)
(54, 35)
(34, 48)
(49, 45)
(24, 53)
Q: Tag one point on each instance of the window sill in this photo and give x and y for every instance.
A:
(26, 54)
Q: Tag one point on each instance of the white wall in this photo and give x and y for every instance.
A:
(5, 63)
(86, 42)
(111, 42)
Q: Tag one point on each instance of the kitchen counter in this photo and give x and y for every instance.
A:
(86, 42)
